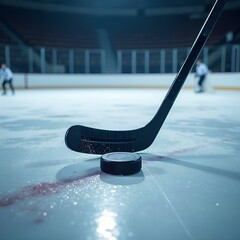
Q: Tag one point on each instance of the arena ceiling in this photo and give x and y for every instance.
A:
(121, 7)
(119, 3)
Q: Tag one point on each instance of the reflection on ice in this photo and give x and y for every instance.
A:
(107, 226)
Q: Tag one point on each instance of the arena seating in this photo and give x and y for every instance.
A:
(4, 38)
(64, 30)
(60, 30)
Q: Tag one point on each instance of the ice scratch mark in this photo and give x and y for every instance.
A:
(171, 205)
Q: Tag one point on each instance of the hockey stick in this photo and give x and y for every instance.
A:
(98, 141)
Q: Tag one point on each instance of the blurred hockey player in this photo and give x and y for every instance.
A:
(201, 74)
(7, 75)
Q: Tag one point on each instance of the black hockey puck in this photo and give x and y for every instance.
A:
(121, 163)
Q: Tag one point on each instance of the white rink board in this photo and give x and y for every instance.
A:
(228, 80)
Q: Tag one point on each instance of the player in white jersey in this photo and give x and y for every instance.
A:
(7, 76)
(201, 73)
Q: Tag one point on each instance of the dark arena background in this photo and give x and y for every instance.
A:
(113, 36)
(108, 64)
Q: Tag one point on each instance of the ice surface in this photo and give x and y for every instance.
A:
(189, 186)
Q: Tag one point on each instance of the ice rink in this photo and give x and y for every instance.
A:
(189, 186)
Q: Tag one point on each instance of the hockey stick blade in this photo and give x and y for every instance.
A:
(98, 141)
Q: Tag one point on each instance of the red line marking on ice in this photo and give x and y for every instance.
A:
(184, 150)
(42, 189)
(170, 154)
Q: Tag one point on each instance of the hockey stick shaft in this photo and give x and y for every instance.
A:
(190, 60)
